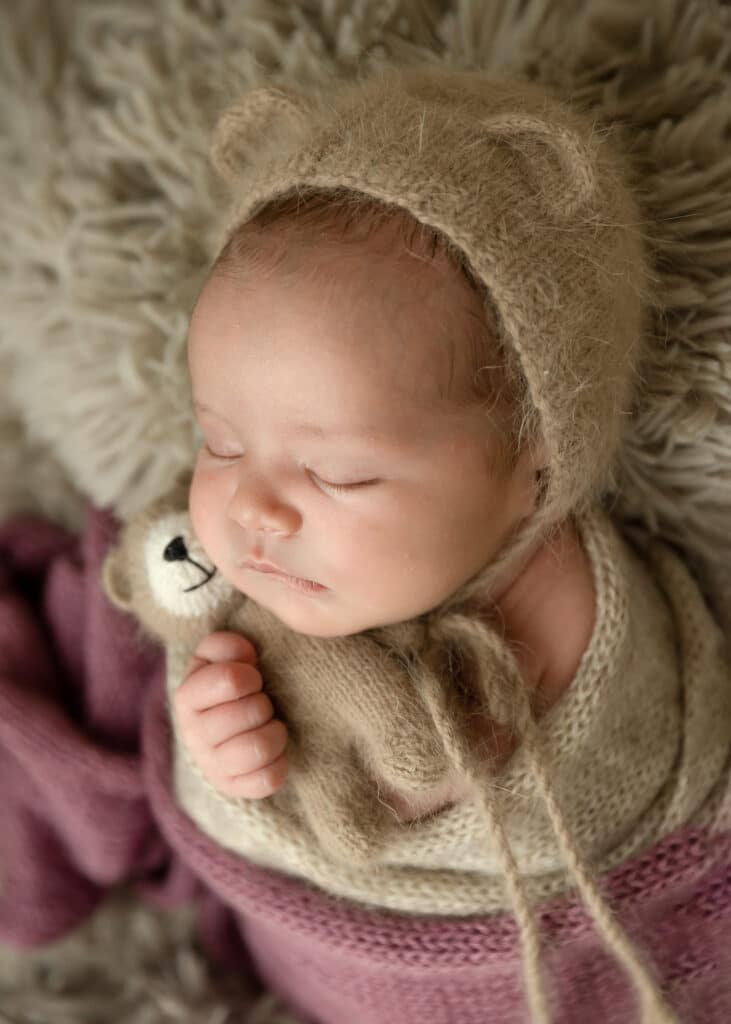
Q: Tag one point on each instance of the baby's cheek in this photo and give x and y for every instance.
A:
(194, 501)
(204, 505)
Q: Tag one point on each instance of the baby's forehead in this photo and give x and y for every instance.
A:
(395, 286)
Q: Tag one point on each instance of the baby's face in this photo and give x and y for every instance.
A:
(327, 452)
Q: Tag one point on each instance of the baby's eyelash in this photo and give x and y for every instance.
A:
(338, 488)
(217, 455)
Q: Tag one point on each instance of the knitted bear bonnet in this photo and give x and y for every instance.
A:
(525, 187)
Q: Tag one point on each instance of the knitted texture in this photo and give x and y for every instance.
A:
(635, 748)
(531, 194)
(332, 960)
(588, 782)
(86, 730)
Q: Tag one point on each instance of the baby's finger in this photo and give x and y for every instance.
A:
(216, 725)
(250, 751)
(214, 684)
(224, 645)
(259, 784)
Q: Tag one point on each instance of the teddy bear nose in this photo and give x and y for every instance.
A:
(175, 551)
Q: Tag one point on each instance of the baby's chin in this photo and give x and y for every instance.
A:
(301, 612)
(310, 622)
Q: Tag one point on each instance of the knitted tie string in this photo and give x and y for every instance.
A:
(654, 1009)
(462, 758)
(498, 696)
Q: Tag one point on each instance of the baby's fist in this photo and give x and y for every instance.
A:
(226, 720)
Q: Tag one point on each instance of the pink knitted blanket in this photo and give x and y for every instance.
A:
(87, 804)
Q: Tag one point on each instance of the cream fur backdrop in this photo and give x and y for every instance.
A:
(107, 206)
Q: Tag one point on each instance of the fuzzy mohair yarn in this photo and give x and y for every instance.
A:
(528, 191)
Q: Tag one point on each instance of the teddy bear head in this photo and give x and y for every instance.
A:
(159, 572)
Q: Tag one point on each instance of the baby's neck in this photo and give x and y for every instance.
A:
(510, 586)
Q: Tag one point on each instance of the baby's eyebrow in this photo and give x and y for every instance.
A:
(364, 436)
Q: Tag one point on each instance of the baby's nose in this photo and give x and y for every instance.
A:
(257, 506)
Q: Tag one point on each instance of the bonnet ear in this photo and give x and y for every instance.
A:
(576, 183)
(261, 118)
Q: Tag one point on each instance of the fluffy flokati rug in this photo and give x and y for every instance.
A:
(127, 965)
(106, 211)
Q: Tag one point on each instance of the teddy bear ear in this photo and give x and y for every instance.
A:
(115, 580)
(260, 116)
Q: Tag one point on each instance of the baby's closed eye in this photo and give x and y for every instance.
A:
(338, 487)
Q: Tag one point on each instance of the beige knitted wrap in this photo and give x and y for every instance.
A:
(636, 747)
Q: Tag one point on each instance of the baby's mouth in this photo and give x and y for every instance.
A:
(297, 582)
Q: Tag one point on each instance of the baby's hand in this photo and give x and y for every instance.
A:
(227, 721)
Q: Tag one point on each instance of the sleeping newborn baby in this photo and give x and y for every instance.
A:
(450, 680)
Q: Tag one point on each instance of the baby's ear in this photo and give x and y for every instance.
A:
(259, 120)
